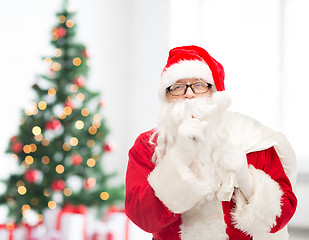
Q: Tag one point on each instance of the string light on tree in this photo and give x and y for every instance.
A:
(85, 112)
(77, 61)
(62, 19)
(92, 130)
(25, 208)
(104, 196)
(58, 52)
(66, 147)
(56, 67)
(73, 88)
(33, 147)
(90, 143)
(29, 160)
(73, 141)
(22, 190)
(91, 162)
(42, 105)
(45, 142)
(45, 160)
(36, 130)
(32, 109)
(79, 124)
(81, 96)
(48, 61)
(46, 193)
(52, 204)
(60, 169)
(52, 92)
(27, 149)
(67, 192)
(34, 201)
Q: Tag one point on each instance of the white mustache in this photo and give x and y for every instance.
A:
(211, 111)
(200, 108)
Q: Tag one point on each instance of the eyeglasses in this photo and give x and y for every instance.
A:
(181, 89)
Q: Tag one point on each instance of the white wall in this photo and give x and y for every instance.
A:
(25, 27)
(134, 45)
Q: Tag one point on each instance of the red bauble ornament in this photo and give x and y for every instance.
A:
(103, 103)
(53, 124)
(14, 139)
(69, 104)
(89, 183)
(17, 147)
(61, 32)
(109, 147)
(85, 53)
(32, 175)
(79, 81)
(76, 159)
(58, 185)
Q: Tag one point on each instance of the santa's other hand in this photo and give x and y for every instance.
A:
(190, 137)
(234, 159)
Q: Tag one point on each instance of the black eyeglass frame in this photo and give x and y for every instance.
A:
(209, 85)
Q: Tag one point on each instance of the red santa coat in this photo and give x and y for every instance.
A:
(167, 199)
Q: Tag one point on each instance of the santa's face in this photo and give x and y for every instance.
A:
(189, 94)
(208, 108)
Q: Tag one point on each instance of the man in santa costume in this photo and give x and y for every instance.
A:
(205, 172)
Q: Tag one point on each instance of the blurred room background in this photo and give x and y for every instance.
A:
(262, 44)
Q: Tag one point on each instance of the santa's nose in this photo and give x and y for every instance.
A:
(189, 93)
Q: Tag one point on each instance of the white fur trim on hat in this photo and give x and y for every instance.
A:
(184, 69)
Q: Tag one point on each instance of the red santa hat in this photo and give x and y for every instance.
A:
(191, 62)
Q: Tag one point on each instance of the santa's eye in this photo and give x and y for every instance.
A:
(178, 87)
(199, 85)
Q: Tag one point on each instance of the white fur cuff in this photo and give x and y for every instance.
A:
(176, 185)
(258, 215)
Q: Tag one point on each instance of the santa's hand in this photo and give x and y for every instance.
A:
(234, 159)
(245, 182)
(190, 136)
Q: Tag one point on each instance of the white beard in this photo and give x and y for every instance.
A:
(212, 111)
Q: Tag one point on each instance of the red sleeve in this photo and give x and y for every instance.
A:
(269, 162)
(141, 204)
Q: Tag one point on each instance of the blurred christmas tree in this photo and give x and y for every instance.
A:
(62, 136)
